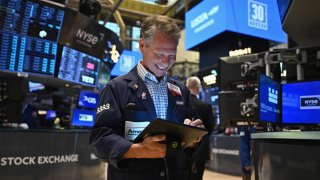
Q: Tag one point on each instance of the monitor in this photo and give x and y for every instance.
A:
(301, 102)
(127, 61)
(231, 76)
(29, 32)
(269, 99)
(34, 86)
(230, 107)
(104, 75)
(88, 99)
(82, 118)
(78, 67)
(51, 114)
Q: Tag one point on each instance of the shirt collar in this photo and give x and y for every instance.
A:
(145, 74)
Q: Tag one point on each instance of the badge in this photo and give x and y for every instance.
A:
(144, 95)
(174, 89)
(133, 129)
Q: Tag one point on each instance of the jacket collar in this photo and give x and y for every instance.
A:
(141, 90)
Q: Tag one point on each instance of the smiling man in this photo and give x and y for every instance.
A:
(129, 103)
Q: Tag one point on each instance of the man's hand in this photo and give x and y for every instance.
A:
(197, 123)
(150, 147)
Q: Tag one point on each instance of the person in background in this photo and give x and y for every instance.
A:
(245, 154)
(129, 102)
(205, 113)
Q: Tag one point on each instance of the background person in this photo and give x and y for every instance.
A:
(204, 110)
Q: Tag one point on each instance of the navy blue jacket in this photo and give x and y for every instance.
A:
(107, 134)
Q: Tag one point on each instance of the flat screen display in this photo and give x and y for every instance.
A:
(78, 67)
(88, 99)
(34, 86)
(269, 99)
(82, 118)
(127, 61)
(51, 114)
(230, 107)
(301, 103)
(258, 18)
(29, 32)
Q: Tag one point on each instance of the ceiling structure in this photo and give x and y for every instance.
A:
(133, 11)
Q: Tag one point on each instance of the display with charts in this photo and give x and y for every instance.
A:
(29, 32)
(78, 67)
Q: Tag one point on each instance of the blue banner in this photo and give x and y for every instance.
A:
(258, 18)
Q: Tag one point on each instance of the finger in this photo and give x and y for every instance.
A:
(196, 122)
(158, 137)
(187, 121)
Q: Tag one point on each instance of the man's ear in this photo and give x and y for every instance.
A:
(141, 44)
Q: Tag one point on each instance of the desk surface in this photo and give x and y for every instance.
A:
(305, 135)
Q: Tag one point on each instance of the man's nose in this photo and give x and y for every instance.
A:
(166, 60)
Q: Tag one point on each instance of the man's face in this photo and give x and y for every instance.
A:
(159, 55)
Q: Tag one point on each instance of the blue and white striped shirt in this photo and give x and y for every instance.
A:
(157, 90)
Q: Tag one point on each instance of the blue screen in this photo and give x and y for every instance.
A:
(83, 118)
(301, 103)
(127, 61)
(51, 114)
(283, 6)
(29, 33)
(269, 99)
(78, 67)
(88, 99)
(258, 18)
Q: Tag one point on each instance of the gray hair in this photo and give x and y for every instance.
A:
(193, 82)
(158, 23)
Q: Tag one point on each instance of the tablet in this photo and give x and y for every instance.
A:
(187, 133)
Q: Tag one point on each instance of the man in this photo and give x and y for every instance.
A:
(204, 110)
(129, 102)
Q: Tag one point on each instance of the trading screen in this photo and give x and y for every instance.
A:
(78, 67)
(29, 32)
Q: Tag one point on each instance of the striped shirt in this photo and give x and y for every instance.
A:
(157, 90)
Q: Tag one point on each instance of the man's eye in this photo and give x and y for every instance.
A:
(159, 56)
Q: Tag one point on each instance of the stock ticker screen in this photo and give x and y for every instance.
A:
(269, 99)
(29, 32)
(82, 118)
(88, 99)
(301, 103)
(78, 67)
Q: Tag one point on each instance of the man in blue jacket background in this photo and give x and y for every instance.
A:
(128, 103)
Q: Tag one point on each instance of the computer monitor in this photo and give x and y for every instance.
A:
(51, 114)
(269, 99)
(127, 61)
(230, 107)
(34, 86)
(88, 99)
(78, 67)
(301, 103)
(82, 118)
(29, 32)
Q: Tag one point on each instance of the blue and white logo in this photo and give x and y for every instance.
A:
(272, 95)
(88, 99)
(86, 117)
(127, 63)
(257, 15)
(310, 102)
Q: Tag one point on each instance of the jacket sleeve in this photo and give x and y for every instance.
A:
(106, 136)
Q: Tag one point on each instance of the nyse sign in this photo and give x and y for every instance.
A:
(257, 15)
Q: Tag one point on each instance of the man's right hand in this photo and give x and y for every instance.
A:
(150, 147)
